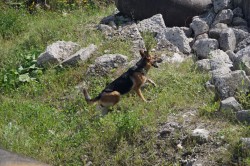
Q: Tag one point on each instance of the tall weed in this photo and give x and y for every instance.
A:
(11, 23)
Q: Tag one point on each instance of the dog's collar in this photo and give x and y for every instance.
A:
(136, 68)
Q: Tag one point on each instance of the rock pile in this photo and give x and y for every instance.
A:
(221, 46)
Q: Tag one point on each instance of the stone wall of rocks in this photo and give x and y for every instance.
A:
(222, 47)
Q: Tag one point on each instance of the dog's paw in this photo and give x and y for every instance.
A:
(148, 101)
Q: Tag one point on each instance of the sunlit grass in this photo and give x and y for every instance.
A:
(50, 121)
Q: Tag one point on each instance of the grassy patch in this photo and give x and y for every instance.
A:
(36, 122)
(49, 120)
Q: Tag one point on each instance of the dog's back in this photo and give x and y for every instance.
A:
(122, 84)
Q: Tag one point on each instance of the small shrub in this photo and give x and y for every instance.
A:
(209, 109)
(26, 72)
(149, 40)
(244, 99)
(10, 23)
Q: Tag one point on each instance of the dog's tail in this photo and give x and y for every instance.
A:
(88, 98)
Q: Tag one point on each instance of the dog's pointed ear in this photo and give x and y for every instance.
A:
(142, 53)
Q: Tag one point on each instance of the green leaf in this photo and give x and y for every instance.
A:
(20, 69)
(24, 78)
(33, 66)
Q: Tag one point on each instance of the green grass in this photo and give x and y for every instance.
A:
(36, 122)
(48, 120)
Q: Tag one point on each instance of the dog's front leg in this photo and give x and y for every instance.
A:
(151, 81)
(139, 93)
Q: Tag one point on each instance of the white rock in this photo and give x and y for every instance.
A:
(202, 135)
(57, 52)
(153, 24)
(224, 16)
(177, 37)
(80, 56)
(230, 104)
(203, 47)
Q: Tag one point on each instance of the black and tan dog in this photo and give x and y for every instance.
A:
(133, 79)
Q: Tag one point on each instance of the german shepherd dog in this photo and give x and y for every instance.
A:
(132, 79)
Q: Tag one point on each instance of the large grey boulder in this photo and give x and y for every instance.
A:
(177, 37)
(227, 40)
(221, 4)
(225, 16)
(80, 56)
(153, 24)
(104, 64)
(243, 60)
(227, 84)
(199, 26)
(175, 12)
(230, 105)
(203, 47)
(57, 52)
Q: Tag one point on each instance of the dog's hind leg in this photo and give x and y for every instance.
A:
(108, 99)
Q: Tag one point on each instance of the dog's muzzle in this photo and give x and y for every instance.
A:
(155, 63)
